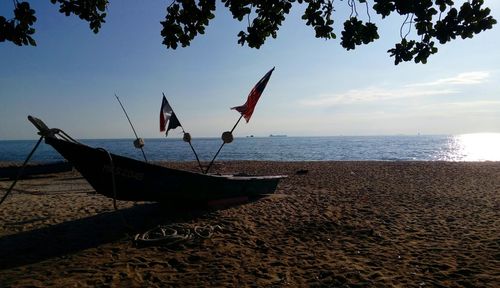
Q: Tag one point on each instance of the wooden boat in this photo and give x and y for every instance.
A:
(124, 178)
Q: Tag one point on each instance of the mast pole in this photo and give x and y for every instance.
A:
(189, 142)
(194, 151)
(133, 129)
(222, 145)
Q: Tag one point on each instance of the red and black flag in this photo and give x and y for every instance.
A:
(247, 109)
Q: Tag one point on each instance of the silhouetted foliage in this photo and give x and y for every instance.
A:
(433, 20)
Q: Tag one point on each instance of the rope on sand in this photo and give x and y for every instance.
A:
(175, 233)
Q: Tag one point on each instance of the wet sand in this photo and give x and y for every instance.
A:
(347, 224)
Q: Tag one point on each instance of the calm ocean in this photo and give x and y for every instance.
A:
(467, 147)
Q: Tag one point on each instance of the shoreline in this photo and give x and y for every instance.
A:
(351, 223)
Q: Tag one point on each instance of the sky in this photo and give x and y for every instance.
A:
(317, 89)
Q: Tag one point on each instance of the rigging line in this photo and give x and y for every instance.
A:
(133, 129)
(113, 186)
(20, 172)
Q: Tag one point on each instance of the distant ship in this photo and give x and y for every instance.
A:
(277, 135)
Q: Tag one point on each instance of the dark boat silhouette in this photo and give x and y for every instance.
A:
(123, 178)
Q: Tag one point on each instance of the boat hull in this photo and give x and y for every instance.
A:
(124, 178)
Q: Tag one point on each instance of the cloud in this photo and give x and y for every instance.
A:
(372, 94)
(469, 78)
(462, 107)
(442, 86)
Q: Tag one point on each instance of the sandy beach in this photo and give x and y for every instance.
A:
(336, 224)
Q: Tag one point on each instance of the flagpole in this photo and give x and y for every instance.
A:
(246, 109)
(192, 148)
(190, 145)
(133, 129)
(223, 143)
(236, 123)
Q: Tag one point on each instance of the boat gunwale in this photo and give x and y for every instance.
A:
(157, 166)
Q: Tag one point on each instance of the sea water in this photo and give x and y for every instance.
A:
(468, 147)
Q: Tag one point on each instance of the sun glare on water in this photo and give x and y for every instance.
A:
(477, 147)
